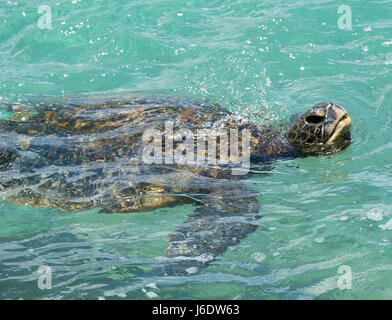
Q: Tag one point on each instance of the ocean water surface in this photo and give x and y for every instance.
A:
(320, 216)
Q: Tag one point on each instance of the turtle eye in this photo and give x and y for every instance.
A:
(314, 119)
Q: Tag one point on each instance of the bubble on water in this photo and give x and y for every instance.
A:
(205, 258)
(375, 214)
(319, 239)
(152, 285)
(344, 218)
(258, 256)
(387, 226)
(151, 294)
(268, 82)
(191, 270)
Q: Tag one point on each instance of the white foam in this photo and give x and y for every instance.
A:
(258, 256)
(387, 226)
(375, 215)
(151, 294)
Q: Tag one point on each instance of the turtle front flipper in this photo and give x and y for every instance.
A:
(226, 216)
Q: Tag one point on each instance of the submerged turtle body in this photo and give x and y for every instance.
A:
(77, 156)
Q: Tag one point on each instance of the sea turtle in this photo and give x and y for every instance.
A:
(82, 154)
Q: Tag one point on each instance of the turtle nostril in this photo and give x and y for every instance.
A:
(314, 119)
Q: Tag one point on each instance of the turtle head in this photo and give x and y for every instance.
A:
(324, 129)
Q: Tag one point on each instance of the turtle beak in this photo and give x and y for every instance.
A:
(339, 126)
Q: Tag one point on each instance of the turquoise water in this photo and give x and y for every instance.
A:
(271, 57)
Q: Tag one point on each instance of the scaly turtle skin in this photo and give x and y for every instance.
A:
(77, 156)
